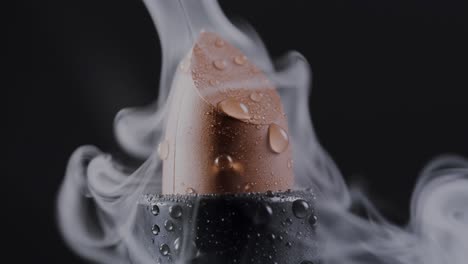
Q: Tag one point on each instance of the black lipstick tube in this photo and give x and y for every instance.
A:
(230, 228)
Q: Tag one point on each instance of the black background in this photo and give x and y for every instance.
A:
(389, 92)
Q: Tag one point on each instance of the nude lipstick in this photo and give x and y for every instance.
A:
(226, 129)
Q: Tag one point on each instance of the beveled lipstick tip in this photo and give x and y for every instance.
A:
(226, 130)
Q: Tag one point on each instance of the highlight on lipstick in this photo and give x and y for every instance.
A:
(229, 134)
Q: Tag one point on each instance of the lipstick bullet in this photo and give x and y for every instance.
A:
(226, 129)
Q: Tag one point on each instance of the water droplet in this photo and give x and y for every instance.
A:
(289, 221)
(300, 208)
(164, 249)
(289, 244)
(290, 164)
(256, 97)
(163, 150)
(313, 220)
(219, 64)
(169, 225)
(219, 43)
(263, 214)
(190, 191)
(175, 211)
(240, 59)
(155, 229)
(154, 209)
(177, 244)
(184, 66)
(272, 237)
(224, 162)
(213, 82)
(248, 186)
(278, 138)
(234, 108)
(255, 70)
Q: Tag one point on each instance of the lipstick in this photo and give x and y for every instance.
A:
(226, 130)
(227, 168)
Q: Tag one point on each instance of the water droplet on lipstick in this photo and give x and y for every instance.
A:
(248, 186)
(278, 138)
(256, 97)
(213, 82)
(234, 108)
(219, 43)
(223, 162)
(240, 59)
(190, 191)
(300, 208)
(219, 64)
(184, 66)
(155, 230)
(163, 150)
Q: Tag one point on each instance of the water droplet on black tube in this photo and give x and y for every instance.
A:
(300, 208)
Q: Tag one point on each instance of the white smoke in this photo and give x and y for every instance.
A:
(97, 201)
(436, 233)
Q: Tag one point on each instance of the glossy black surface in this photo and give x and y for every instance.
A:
(227, 229)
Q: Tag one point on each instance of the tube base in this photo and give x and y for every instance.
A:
(230, 228)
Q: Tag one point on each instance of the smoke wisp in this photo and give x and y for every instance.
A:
(97, 201)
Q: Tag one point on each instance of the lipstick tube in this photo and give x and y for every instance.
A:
(227, 169)
(230, 228)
